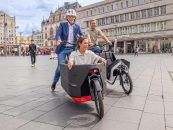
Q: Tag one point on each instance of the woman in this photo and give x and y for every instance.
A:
(84, 56)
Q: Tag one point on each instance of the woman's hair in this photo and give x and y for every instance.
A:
(79, 41)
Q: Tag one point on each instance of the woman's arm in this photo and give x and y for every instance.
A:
(102, 60)
(71, 61)
(98, 59)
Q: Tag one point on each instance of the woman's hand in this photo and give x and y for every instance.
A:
(104, 62)
(70, 66)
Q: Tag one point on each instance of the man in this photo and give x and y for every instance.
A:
(93, 34)
(136, 51)
(66, 38)
(33, 50)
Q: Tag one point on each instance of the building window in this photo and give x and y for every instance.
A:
(163, 25)
(156, 11)
(147, 1)
(99, 10)
(103, 9)
(147, 27)
(117, 19)
(144, 14)
(141, 28)
(113, 19)
(108, 8)
(116, 6)
(150, 12)
(158, 26)
(103, 21)
(91, 12)
(87, 13)
(135, 2)
(135, 29)
(95, 11)
(45, 35)
(163, 10)
(109, 20)
(87, 23)
(112, 7)
(132, 16)
(127, 4)
(138, 16)
(121, 4)
(51, 33)
(122, 19)
(127, 17)
(99, 22)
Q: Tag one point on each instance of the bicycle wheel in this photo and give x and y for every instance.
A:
(98, 99)
(126, 82)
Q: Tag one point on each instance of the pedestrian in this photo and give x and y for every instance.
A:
(33, 51)
(2, 52)
(93, 34)
(136, 51)
(66, 38)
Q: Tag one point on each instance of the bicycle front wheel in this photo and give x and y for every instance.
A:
(98, 99)
(126, 82)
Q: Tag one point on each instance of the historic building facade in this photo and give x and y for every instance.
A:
(147, 24)
(50, 25)
(7, 29)
(37, 37)
(23, 40)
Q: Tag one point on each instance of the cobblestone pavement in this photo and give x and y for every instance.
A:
(26, 102)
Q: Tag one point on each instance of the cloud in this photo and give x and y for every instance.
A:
(29, 13)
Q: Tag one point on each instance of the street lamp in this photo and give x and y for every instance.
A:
(20, 37)
(16, 27)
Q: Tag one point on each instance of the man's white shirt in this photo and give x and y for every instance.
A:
(70, 35)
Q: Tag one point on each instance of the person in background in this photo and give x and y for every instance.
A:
(136, 51)
(33, 51)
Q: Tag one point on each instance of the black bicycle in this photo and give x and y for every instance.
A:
(117, 68)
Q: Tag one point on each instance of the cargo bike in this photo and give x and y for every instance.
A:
(88, 82)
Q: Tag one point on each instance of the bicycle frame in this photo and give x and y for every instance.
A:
(119, 68)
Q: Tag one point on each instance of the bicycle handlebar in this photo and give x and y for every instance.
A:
(109, 49)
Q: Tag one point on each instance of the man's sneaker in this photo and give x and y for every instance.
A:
(53, 86)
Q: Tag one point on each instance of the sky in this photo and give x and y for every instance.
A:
(30, 13)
